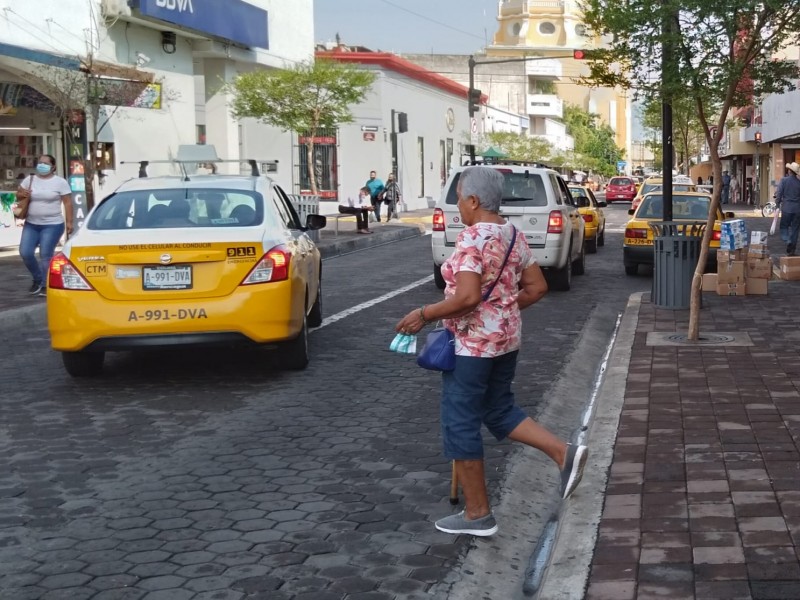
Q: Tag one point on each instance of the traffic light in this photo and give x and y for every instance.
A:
(583, 54)
(474, 101)
(402, 122)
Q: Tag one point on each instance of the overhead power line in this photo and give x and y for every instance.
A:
(426, 18)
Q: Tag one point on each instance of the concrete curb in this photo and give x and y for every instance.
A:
(567, 573)
(380, 237)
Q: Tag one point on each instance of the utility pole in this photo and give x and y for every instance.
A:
(471, 106)
(667, 148)
(393, 139)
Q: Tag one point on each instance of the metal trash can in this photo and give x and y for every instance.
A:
(676, 251)
(306, 205)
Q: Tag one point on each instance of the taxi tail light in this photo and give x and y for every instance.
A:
(588, 218)
(63, 275)
(438, 219)
(273, 266)
(631, 232)
(716, 236)
(555, 222)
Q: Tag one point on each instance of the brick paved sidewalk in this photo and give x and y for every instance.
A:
(703, 496)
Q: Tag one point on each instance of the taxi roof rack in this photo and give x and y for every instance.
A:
(193, 154)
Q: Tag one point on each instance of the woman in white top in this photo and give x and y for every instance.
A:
(46, 222)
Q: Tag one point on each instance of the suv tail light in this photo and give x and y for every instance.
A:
(64, 276)
(273, 266)
(555, 223)
(438, 219)
(631, 232)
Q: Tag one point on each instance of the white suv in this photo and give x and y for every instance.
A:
(538, 203)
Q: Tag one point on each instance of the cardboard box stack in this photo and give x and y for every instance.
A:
(758, 271)
(731, 259)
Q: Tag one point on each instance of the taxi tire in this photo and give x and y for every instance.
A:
(315, 316)
(601, 239)
(632, 269)
(295, 352)
(83, 364)
(591, 245)
(438, 279)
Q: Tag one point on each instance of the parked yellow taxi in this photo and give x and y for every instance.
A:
(591, 210)
(176, 261)
(680, 183)
(686, 206)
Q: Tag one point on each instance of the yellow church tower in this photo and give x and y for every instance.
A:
(554, 28)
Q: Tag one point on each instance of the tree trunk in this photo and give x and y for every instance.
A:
(697, 281)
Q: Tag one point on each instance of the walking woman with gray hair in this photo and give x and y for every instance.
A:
(487, 340)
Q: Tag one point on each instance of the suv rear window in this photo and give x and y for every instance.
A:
(519, 189)
(620, 181)
(178, 208)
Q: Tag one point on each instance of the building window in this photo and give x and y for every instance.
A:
(547, 28)
(104, 157)
(515, 29)
(421, 154)
(201, 134)
(580, 30)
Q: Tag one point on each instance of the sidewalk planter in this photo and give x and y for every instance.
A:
(677, 250)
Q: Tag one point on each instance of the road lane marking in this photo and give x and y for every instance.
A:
(370, 303)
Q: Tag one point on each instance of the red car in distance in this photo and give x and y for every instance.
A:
(620, 189)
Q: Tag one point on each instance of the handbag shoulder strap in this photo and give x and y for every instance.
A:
(503, 266)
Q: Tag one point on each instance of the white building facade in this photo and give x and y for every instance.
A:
(188, 48)
(437, 137)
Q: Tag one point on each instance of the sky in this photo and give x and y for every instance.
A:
(408, 26)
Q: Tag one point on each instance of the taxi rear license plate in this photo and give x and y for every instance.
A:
(167, 278)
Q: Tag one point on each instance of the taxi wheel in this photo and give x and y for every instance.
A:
(83, 364)
(295, 352)
(601, 240)
(591, 245)
(315, 316)
(437, 277)
(632, 269)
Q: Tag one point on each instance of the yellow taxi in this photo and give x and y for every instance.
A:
(591, 210)
(686, 206)
(680, 183)
(186, 260)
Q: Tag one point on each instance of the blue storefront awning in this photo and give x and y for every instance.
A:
(71, 63)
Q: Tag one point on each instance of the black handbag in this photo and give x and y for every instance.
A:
(439, 351)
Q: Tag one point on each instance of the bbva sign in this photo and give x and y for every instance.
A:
(179, 5)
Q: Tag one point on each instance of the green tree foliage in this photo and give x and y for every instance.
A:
(595, 146)
(520, 147)
(725, 55)
(304, 98)
(687, 129)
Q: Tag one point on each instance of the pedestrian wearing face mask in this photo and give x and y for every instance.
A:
(46, 220)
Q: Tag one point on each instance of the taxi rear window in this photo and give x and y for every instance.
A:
(687, 207)
(179, 208)
(519, 189)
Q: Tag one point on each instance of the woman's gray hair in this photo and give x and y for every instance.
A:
(486, 184)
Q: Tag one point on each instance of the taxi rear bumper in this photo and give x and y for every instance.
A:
(645, 255)
(260, 314)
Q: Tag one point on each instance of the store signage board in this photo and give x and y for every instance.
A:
(123, 92)
(233, 20)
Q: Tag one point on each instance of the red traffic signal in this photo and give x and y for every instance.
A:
(579, 54)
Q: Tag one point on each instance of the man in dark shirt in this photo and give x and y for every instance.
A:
(787, 197)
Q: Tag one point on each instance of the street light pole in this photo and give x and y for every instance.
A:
(471, 107)
(667, 149)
